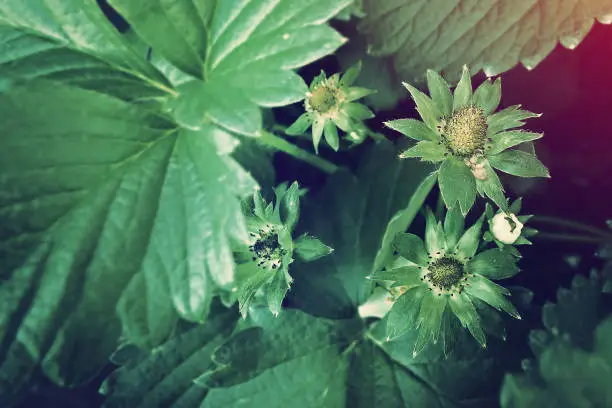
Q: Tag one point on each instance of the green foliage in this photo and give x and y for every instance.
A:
(573, 355)
(138, 224)
(369, 209)
(117, 217)
(490, 35)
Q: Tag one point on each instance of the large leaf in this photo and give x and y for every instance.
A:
(492, 35)
(164, 378)
(241, 52)
(97, 196)
(71, 41)
(573, 355)
(335, 364)
(351, 214)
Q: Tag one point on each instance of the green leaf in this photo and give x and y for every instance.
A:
(414, 129)
(576, 340)
(493, 264)
(331, 135)
(164, 378)
(176, 29)
(277, 290)
(412, 248)
(469, 241)
(427, 150)
(440, 92)
(425, 106)
(351, 74)
(300, 125)
(509, 118)
(463, 308)
(457, 184)
(435, 241)
(40, 26)
(358, 111)
(406, 276)
(492, 187)
(462, 96)
(309, 249)
(454, 224)
(114, 191)
(494, 295)
(519, 163)
(504, 140)
(492, 36)
(403, 314)
(223, 104)
(487, 96)
(363, 206)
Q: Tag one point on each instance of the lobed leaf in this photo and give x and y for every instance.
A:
(487, 35)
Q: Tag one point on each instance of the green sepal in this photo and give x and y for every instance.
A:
(317, 132)
(492, 187)
(414, 129)
(488, 95)
(288, 202)
(429, 321)
(425, 106)
(521, 240)
(457, 184)
(300, 126)
(402, 276)
(509, 118)
(276, 291)
(492, 294)
(427, 151)
(255, 278)
(454, 224)
(318, 80)
(351, 74)
(331, 135)
(516, 207)
(258, 205)
(307, 248)
(519, 163)
(440, 92)
(493, 264)
(463, 92)
(468, 244)
(358, 111)
(354, 93)
(403, 314)
(505, 140)
(344, 122)
(462, 307)
(411, 247)
(435, 241)
(529, 232)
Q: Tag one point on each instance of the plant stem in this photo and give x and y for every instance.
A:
(284, 146)
(552, 236)
(572, 224)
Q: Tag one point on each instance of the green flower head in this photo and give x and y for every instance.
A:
(462, 131)
(507, 228)
(330, 105)
(263, 261)
(447, 276)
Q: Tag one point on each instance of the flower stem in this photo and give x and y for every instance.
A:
(552, 236)
(572, 224)
(282, 145)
